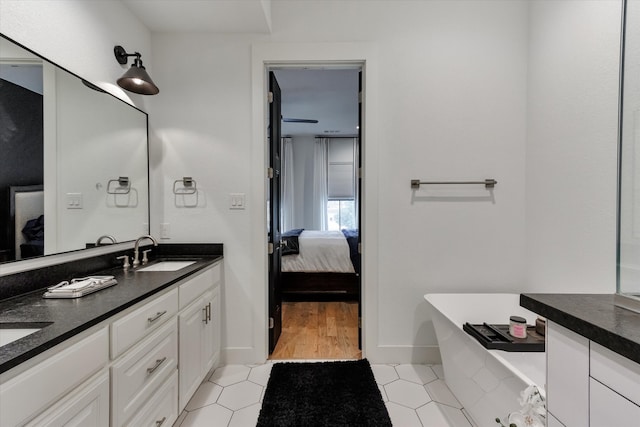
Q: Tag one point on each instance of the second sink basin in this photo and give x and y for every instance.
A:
(10, 332)
(167, 266)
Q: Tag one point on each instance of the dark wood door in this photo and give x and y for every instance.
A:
(273, 213)
(359, 201)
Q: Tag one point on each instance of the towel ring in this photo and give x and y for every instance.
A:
(123, 187)
(189, 186)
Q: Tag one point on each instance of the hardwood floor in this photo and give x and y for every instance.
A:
(318, 330)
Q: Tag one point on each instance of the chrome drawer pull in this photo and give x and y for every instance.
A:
(159, 423)
(157, 316)
(204, 313)
(209, 312)
(156, 366)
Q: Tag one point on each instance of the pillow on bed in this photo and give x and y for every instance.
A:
(290, 239)
(34, 229)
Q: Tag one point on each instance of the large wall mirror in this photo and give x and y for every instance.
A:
(73, 162)
(629, 209)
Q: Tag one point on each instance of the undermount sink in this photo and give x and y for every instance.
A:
(10, 332)
(167, 266)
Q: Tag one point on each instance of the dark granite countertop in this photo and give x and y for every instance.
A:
(69, 317)
(593, 316)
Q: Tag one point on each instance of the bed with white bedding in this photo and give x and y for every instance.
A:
(320, 263)
(320, 252)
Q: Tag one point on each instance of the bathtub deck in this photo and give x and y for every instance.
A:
(488, 383)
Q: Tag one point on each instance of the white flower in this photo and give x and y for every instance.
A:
(521, 419)
(533, 410)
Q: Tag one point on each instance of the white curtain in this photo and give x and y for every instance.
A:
(356, 155)
(287, 203)
(320, 190)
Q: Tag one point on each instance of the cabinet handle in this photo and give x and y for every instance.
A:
(160, 422)
(156, 366)
(204, 313)
(209, 312)
(156, 317)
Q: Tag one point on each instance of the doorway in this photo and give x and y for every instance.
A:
(314, 312)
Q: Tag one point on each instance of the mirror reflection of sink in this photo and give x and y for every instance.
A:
(13, 331)
(167, 266)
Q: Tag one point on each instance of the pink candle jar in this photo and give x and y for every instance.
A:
(518, 327)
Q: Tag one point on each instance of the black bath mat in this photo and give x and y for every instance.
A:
(323, 394)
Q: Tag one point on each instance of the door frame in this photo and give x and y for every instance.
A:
(263, 58)
(272, 69)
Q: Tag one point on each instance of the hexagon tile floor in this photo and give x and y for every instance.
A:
(415, 395)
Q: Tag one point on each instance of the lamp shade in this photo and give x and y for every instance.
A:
(137, 80)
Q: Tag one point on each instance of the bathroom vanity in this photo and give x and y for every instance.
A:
(593, 359)
(130, 354)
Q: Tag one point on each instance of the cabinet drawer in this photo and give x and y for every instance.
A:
(134, 326)
(87, 406)
(616, 372)
(27, 394)
(141, 370)
(196, 286)
(162, 409)
(608, 408)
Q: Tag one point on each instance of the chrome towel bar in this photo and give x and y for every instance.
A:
(488, 183)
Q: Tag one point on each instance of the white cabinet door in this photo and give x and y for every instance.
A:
(209, 332)
(191, 323)
(199, 326)
(608, 408)
(216, 328)
(87, 406)
(567, 376)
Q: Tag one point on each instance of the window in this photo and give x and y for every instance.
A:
(341, 214)
(341, 183)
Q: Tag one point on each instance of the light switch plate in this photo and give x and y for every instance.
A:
(74, 200)
(237, 201)
(165, 230)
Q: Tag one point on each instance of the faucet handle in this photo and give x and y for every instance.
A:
(125, 264)
(145, 259)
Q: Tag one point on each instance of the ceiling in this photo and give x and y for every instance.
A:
(327, 95)
(216, 16)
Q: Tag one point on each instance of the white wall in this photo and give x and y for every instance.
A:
(451, 105)
(452, 86)
(572, 143)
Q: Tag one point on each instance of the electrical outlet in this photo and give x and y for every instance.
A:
(165, 231)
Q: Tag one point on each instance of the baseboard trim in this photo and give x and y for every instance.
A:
(428, 354)
(240, 356)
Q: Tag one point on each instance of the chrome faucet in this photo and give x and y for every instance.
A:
(106, 236)
(136, 257)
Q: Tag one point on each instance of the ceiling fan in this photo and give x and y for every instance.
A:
(291, 120)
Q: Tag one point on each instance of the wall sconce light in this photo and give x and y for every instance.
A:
(136, 78)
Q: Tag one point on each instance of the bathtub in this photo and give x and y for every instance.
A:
(486, 382)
